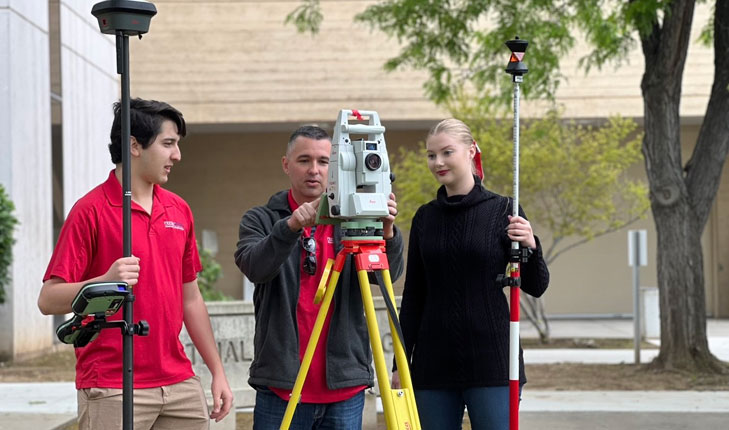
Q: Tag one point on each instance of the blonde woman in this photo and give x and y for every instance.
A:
(454, 316)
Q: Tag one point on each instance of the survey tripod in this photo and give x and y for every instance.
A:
(517, 254)
(356, 166)
(367, 250)
(97, 301)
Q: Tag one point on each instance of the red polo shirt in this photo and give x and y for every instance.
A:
(315, 388)
(91, 240)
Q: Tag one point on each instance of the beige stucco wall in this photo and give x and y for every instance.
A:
(236, 62)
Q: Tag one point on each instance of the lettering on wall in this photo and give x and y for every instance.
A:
(232, 351)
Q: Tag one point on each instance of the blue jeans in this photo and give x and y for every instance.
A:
(344, 415)
(488, 408)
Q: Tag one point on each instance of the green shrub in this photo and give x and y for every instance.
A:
(208, 276)
(7, 227)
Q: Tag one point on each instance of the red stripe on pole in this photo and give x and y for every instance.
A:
(514, 273)
(514, 357)
(514, 405)
(514, 304)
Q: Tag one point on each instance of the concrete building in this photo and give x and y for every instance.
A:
(244, 80)
(57, 83)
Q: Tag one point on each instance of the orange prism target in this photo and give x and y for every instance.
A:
(518, 49)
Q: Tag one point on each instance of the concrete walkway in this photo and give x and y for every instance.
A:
(46, 406)
(44, 421)
(37, 406)
(624, 401)
(717, 332)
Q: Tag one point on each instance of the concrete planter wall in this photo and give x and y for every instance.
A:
(233, 324)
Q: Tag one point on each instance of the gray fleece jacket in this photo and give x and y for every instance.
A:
(269, 255)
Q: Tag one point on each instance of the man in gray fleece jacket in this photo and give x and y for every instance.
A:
(283, 252)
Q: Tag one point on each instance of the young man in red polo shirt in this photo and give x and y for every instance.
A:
(163, 271)
(283, 252)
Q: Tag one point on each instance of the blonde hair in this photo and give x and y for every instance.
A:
(455, 128)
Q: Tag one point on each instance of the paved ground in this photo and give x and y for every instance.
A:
(621, 421)
(46, 406)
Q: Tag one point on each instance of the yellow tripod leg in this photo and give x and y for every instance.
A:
(310, 348)
(377, 351)
(401, 359)
(321, 289)
(399, 404)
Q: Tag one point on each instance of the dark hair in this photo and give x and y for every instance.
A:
(310, 131)
(145, 122)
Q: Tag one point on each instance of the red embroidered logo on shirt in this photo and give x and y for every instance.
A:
(175, 225)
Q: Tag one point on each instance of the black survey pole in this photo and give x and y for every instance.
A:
(122, 48)
(125, 18)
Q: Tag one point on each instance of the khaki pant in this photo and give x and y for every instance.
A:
(180, 406)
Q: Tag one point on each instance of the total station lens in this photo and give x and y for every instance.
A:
(373, 161)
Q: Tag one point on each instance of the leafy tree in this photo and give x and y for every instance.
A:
(461, 42)
(574, 181)
(7, 227)
(208, 276)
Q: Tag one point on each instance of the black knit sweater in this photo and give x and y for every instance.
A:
(455, 318)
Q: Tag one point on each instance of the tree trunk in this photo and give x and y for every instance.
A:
(679, 210)
(681, 285)
(533, 309)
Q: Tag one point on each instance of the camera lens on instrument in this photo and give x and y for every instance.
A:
(373, 161)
